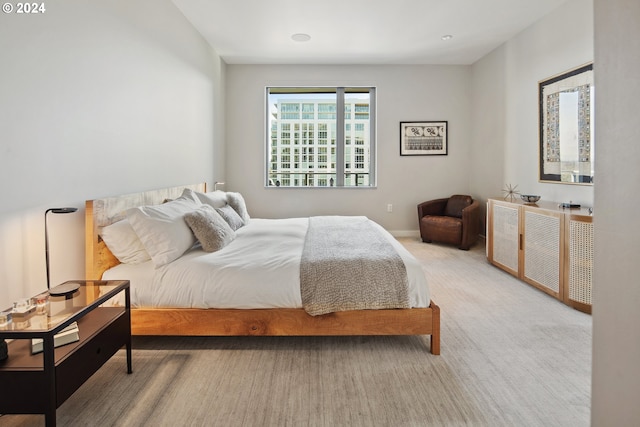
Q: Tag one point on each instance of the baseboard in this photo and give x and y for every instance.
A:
(416, 233)
(405, 233)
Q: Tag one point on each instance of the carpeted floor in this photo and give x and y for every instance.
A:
(511, 356)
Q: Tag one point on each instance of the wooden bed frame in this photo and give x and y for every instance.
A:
(226, 322)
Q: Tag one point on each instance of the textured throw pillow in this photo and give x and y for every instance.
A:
(215, 199)
(236, 201)
(456, 204)
(210, 228)
(123, 242)
(231, 216)
(162, 229)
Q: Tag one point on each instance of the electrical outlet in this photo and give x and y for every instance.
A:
(389, 207)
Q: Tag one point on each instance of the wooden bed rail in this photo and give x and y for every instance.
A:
(287, 322)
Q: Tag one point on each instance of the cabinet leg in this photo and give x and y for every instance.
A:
(129, 362)
(50, 418)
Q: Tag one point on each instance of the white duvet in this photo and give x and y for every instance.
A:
(259, 269)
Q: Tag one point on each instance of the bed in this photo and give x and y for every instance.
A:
(159, 309)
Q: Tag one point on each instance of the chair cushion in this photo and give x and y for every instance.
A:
(441, 229)
(455, 205)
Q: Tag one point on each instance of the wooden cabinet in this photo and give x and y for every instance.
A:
(541, 249)
(546, 246)
(503, 235)
(578, 275)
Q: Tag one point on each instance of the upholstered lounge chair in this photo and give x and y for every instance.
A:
(454, 220)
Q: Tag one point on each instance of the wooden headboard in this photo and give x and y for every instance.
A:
(102, 212)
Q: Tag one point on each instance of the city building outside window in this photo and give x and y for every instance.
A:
(310, 145)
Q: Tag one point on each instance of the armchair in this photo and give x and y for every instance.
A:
(454, 220)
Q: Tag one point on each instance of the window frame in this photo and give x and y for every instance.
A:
(336, 153)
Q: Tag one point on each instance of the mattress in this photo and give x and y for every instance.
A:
(259, 269)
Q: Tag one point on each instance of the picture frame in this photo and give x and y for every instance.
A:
(425, 138)
(566, 115)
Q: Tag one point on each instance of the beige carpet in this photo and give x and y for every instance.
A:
(511, 356)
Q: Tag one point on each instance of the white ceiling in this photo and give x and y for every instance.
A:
(360, 31)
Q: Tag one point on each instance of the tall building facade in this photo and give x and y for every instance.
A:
(303, 143)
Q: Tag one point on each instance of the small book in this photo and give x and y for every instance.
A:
(66, 336)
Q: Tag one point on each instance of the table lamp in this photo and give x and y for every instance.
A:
(65, 288)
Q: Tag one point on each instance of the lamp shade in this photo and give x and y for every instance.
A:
(62, 210)
(46, 235)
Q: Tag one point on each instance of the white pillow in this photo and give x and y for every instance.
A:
(215, 199)
(236, 201)
(123, 242)
(162, 229)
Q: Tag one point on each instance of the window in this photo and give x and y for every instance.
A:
(335, 150)
(290, 111)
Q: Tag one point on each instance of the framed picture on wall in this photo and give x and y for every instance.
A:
(423, 138)
(567, 140)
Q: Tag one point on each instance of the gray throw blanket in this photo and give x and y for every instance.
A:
(347, 264)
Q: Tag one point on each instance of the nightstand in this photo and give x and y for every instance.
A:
(39, 383)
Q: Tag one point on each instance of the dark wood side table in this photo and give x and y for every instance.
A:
(40, 383)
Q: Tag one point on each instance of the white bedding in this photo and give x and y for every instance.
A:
(259, 269)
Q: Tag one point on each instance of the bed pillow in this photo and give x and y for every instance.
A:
(236, 201)
(231, 216)
(211, 230)
(162, 229)
(215, 199)
(190, 194)
(123, 242)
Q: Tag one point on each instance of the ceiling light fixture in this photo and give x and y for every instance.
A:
(301, 37)
(447, 37)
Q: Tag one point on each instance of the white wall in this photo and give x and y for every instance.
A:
(96, 99)
(504, 85)
(505, 103)
(616, 298)
(404, 93)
